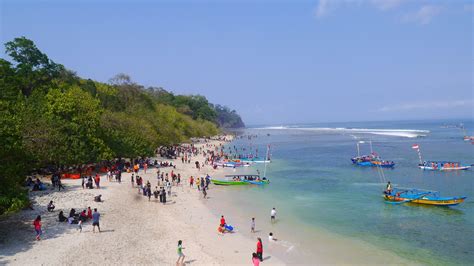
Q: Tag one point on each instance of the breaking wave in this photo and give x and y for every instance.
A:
(407, 133)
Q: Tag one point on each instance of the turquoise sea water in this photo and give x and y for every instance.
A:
(313, 183)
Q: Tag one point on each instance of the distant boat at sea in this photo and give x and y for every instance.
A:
(443, 166)
(370, 160)
(438, 165)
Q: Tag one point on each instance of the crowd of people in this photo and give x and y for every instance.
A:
(160, 191)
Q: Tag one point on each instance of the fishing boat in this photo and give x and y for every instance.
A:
(418, 196)
(443, 166)
(468, 138)
(240, 180)
(370, 160)
(438, 165)
(254, 160)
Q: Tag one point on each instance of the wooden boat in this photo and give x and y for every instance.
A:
(438, 165)
(443, 166)
(228, 182)
(399, 196)
(376, 162)
(239, 180)
(370, 160)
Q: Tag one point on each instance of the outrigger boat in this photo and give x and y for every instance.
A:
(400, 195)
(239, 180)
(438, 165)
(370, 160)
(443, 166)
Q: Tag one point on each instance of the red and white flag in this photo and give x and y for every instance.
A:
(415, 146)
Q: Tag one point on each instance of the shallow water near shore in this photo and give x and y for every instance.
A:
(321, 197)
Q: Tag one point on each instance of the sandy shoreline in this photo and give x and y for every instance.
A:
(135, 231)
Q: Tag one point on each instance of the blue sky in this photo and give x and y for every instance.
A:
(274, 62)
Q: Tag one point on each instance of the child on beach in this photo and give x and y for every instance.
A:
(37, 225)
(252, 226)
(255, 259)
(271, 238)
(50, 206)
(79, 226)
(180, 253)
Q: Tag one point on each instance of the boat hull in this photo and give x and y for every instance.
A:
(444, 168)
(261, 182)
(452, 201)
(229, 182)
(375, 164)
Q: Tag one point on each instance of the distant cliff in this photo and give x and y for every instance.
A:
(227, 118)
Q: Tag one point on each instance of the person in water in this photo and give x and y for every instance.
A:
(388, 188)
(273, 215)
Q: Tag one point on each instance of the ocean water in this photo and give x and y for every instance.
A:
(314, 186)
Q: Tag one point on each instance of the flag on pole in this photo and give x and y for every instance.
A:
(415, 146)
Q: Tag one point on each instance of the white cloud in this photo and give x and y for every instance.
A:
(324, 7)
(424, 15)
(428, 106)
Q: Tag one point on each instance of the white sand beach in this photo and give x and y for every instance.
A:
(134, 230)
(138, 231)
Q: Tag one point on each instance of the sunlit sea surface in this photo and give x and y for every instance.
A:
(313, 183)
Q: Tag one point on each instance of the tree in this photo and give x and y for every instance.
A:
(33, 68)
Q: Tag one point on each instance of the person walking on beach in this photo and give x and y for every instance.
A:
(204, 192)
(180, 253)
(191, 181)
(252, 226)
(37, 225)
(260, 249)
(97, 181)
(222, 220)
(273, 215)
(95, 220)
(198, 183)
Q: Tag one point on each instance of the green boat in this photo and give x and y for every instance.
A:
(229, 182)
(240, 180)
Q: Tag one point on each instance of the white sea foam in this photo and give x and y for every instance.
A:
(406, 133)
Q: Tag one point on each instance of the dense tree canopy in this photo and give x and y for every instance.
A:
(51, 117)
